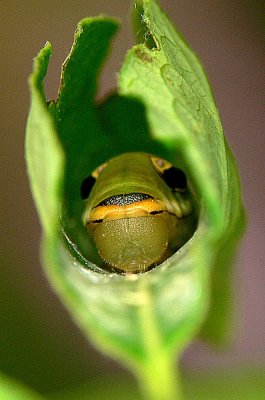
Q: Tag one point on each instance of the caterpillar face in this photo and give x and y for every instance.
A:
(137, 210)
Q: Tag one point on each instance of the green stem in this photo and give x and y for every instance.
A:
(159, 381)
(156, 374)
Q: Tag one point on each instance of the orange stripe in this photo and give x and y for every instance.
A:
(137, 209)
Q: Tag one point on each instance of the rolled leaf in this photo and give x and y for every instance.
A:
(163, 106)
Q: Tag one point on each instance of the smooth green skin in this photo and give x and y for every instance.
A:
(135, 244)
(134, 172)
(164, 106)
(132, 245)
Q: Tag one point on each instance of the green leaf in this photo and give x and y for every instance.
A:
(170, 81)
(164, 106)
(43, 149)
(11, 389)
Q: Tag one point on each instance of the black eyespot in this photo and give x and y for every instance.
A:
(175, 178)
(87, 186)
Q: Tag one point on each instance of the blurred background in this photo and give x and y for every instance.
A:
(39, 344)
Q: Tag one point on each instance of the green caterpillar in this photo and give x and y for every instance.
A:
(138, 211)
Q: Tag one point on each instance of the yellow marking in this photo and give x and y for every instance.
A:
(160, 164)
(137, 209)
(98, 170)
